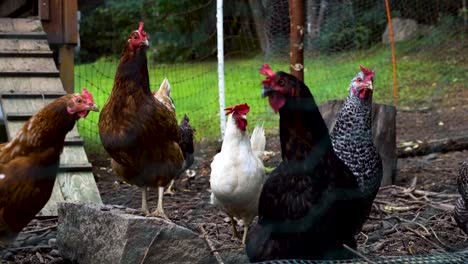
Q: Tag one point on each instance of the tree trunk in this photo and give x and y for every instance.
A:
(296, 43)
(315, 17)
(258, 14)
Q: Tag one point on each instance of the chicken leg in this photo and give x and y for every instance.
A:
(169, 188)
(246, 228)
(144, 201)
(159, 212)
(234, 229)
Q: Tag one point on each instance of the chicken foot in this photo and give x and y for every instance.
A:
(244, 237)
(144, 201)
(234, 228)
(159, 212)
(169, 189)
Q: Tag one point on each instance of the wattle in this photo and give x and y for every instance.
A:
(276, 101)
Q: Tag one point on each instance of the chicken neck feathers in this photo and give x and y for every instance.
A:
(353, 143)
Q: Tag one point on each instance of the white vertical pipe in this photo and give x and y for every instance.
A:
(219, 30)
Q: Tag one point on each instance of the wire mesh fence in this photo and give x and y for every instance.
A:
(339, 36)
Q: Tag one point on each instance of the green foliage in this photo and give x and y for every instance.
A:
(353, 25)
(178, 30)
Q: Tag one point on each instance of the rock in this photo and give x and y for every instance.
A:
(8, 256)
(403, 29)
(431, 156)
(54, 253)
(52, 242)
(87, 234)
(234, 256)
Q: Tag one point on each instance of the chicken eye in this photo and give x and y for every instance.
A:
(359, 80)
(281, 82)
(79, 101)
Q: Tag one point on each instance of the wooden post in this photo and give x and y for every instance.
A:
(296, 41)
(67, 67)
(67, 52)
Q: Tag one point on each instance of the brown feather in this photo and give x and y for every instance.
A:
(139, 133)
(29, 165)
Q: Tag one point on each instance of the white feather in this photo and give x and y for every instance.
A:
(237, 173)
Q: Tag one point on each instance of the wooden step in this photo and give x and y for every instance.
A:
(22, 25)
(32, 95)
(27, 66)
(30, 74)
(75, 167)
(14, 126)
(33, 85)
(26, 35)
(24, 46)
(31, 54)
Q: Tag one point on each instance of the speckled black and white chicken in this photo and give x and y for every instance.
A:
(461, 211)
(352, 136)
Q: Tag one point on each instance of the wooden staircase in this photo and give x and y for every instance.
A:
(29, 80)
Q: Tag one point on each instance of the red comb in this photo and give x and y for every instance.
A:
(241, 109)
(140, 30)
(267, 71)
(367, 72)
(87, 95)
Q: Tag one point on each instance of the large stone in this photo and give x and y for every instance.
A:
(109, 234)
(403, 29)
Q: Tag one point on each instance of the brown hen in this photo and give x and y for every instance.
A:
(140, 134)
(29, 162)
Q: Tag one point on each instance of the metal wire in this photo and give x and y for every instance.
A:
(452, 258)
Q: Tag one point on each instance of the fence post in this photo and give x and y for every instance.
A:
(219, 31)
(296, 42)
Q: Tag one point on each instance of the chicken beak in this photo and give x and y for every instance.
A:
(94, 108)
(265, 91)
(369, 86)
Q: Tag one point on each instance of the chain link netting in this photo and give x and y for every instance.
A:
(339, 36)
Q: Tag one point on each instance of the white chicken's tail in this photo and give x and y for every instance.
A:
(258, 141)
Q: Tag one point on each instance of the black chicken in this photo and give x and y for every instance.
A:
(352, 136)
(461, 211)
(311, 204)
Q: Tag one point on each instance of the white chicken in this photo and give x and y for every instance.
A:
(237, 172)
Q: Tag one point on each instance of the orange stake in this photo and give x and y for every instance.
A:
(392, 44)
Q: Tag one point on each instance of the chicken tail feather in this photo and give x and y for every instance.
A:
(258, 141)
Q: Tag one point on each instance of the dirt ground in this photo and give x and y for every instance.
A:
(412, 217)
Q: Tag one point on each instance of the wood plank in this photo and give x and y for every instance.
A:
(27, 65)
(23, 106)
(25, 25)
(422, 148)
(67, 67)
(74, 156)
(9, 7)
(30, 85)
(72, 187)
(54, 26)
(14, 126)
(6, 24)
(29, 74)
(24, 45)
(41, 96)
(23, 35)
(79, 187)
(26, 54)
(70, 22)
(50, 209)
(44, 7)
